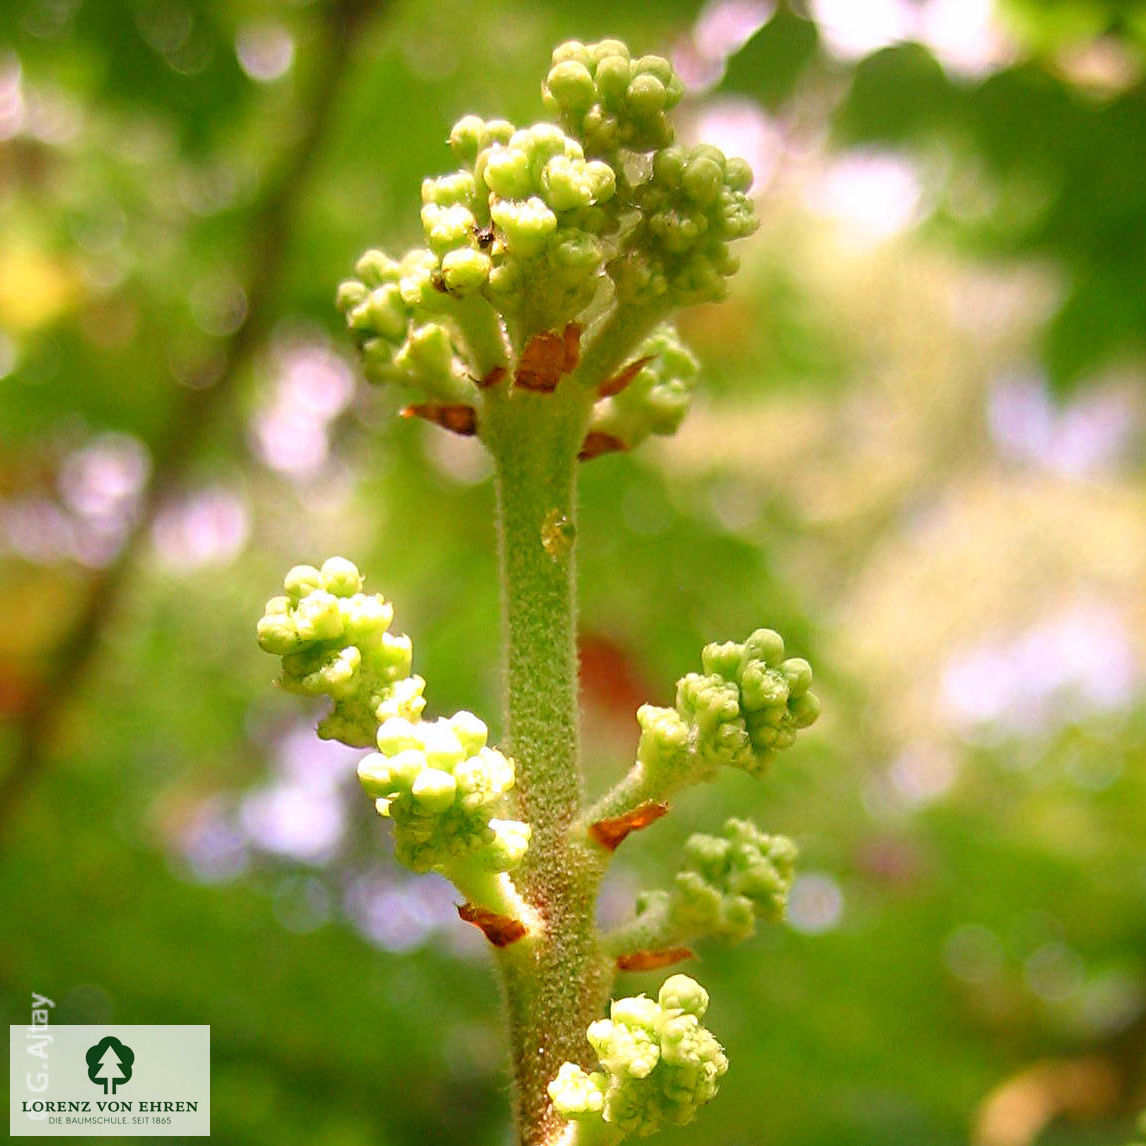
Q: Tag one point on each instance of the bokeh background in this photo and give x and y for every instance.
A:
(918, 451)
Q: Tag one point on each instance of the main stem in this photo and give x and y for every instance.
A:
(555, 982)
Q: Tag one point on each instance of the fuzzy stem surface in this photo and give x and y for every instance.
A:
(557, 979)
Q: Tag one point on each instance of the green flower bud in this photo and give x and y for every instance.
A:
(526, 225)
(722, 659)
(449, 190)
(341, 577)
(683, 994)
(507, 172)
(764, 645)
(434, 789)
(318, 617)
(465, 271)
(575, 1093)
(277, 633)
(570, 84)
(447, 227)
(739, 713)
(613, 76)
(664, 737)
(301, 580)
(468, 137)
(376, 269)
(798, 673)
(470, 731)
(646, 96)
(374, 775)
(351, 294)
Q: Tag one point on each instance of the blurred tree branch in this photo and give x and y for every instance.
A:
(195, 411)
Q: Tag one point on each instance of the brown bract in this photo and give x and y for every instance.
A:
(619, 381)
(609, 833)
(652, 960)
(547, 357)
(500, 930)
(459, 419)
(596, 443)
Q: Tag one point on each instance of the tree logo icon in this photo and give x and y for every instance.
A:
(109, 1061)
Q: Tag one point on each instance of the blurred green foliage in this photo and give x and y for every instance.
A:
(877, 468)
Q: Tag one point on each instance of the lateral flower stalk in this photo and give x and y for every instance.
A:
(744, 708)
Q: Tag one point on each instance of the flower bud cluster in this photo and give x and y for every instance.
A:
(658, 1065)
(524, 238)
(441, 785)
(657, 399)
(726, 883)
(746, 706)
(612, 102)
(400, 321)
(694, 204)
(334, 641)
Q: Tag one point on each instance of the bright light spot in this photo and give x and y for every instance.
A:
(218, 305)
(741, 128)
(1084, 436)
(166, 25)
(53, 118)
(105, 478)
(725, 26)
(873, 195)
(963, 34)
(922, 774)
(11, 97)
(735, 505)
(398, 914)
(213, 846)
(855, 28)
(265, 51)
(1078, 662)
(295, 820)
(1054, 972)
(311, 388)
(973, 953)
(38, 530)
(815, 903)
(319, 764)
(464, 461)
(722, 28)
(1109, 1003)
(208, 528)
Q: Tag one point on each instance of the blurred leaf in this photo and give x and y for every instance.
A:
(769, 67)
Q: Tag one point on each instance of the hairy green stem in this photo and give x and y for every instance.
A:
(652, 930)
(612, 343)
(556, 981)
(638, 786)
(480, 328)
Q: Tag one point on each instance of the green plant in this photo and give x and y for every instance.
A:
(538, 318)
